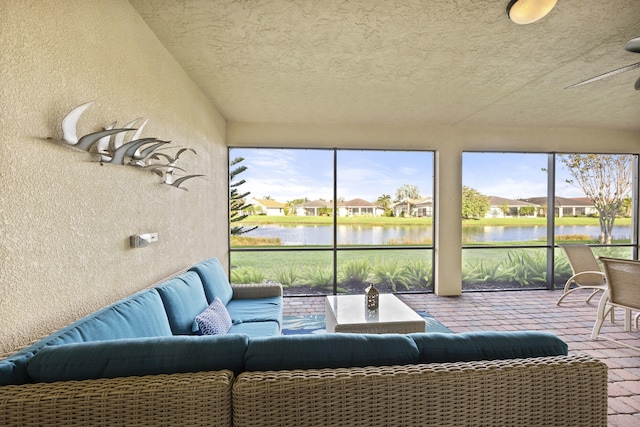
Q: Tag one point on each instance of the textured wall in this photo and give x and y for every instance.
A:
(64, 220)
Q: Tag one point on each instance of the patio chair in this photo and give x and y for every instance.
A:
(586, 272)
(623, 279)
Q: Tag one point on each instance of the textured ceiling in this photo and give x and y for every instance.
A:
(427, 62)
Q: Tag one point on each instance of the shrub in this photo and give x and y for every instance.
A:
(318, 276)
(354, 272)
(418, 274)
(255, 241)
(572, 237)
(480, 271)
(389, 272)
(523, 268)
(247, 275)
(288, 276)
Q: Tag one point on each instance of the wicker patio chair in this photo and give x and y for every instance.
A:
(586, 272)
(623, 279)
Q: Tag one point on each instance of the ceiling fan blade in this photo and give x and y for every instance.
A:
(633, 45)
(607, 75)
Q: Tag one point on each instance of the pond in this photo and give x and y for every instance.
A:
(381, 235)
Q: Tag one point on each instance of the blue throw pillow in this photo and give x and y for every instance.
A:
(214, 320)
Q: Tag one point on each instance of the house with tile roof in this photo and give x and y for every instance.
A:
(565, 206)
(500, 207)
(414, 207)
(268, 207)
(313, 208)
(359, 207)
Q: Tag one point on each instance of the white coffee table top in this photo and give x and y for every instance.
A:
(350, 313)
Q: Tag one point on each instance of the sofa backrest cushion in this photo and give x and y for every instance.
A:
(472, 346)
(142, 356)
(214, 280)
(329, 351)
(184, 299)
(140, 315)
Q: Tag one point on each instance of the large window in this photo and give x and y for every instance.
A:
(330, 221)
(517, 207)
(594, 205)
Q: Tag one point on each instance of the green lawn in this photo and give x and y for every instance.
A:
(513, 265)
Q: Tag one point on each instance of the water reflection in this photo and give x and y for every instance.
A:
(385, 235)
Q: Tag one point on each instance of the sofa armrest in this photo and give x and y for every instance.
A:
(193, 399)
(262, 290)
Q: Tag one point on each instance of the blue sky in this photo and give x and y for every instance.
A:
(514, 175)
(286, 174)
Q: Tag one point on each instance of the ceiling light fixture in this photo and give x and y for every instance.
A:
(528, 11)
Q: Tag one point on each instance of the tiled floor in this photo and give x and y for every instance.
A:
(534, 310)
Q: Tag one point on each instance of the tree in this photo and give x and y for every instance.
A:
(627, 206)
(606, 180)
(474, 204)
(236, 200)
(290, 208)
(299, 201)
(505, 209)
(325, 211)
(526, 210)
(384, 201)
(407, 191)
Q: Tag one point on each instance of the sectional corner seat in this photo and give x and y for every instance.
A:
(138, 362)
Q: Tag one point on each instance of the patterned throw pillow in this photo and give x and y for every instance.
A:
(214, 319)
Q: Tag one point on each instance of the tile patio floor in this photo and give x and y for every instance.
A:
(534, 310)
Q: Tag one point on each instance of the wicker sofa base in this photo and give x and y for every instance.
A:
(547, 391)
(191, 399)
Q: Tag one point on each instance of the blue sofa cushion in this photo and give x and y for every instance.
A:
(329, 351)
(214, 320)
(13, 370)
(140, 315)
(184, 299)
(471, 346)
(142, 356)
(256, 310)
(256, 329)
(214, 280)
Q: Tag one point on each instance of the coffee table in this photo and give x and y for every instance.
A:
(349, 313)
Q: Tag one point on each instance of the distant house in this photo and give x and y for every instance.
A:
(359, 207)
(268, 206)
(565, 206)
(413, 207)
(313, 207)
(424, 207)
(499, 207)
(590, 208)
(355, 207)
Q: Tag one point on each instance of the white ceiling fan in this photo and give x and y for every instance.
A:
(632, 45)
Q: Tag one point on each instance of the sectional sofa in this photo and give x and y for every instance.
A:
(141, 362)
